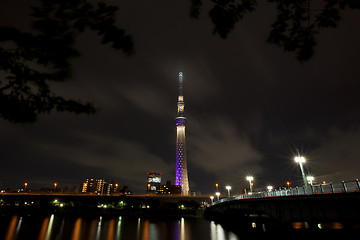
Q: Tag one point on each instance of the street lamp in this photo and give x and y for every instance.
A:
(269, 188)
(228, 188)
(218, 195)
(55, 184)
(250, 179)
(310, 179)
(25, 185)
(301, 160)
(212, 199)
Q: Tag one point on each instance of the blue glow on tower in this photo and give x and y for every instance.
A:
(181, 174)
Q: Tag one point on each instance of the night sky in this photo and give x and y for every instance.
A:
(249, 105)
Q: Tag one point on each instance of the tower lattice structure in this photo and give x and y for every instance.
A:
(181, 173)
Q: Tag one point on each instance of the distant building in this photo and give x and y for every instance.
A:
(153, 182)
(169, 189)
(89, 186)
(154, 185)
(99, 186)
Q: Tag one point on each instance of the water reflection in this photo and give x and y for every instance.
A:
(218, 233)
(145, 230)
(110, 228)
(182, 227)
(118, 228)
(154, 231)
(138, 229)
(77, 230)
(18, 228)
(11, 229)
(98, 232)
(49, 227)
(43, 228)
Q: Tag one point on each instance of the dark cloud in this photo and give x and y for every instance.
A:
(337, 157)
(249, 105)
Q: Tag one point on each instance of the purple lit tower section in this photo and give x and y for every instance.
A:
(181, 174)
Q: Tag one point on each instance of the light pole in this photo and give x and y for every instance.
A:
(25, 185)
(218, 195)
(250, 179)
(228, 188)
(310, 179)
(212, 199)
(55, 184)
(301, 160)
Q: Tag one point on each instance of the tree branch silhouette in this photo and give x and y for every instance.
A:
(29, 61)
(296, 26)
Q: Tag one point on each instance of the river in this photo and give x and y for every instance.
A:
(108, 228)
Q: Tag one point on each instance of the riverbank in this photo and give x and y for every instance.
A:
(121, 205)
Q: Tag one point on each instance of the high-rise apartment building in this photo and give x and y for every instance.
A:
(99, 186)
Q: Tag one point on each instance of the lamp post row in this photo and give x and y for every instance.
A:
(299, 159)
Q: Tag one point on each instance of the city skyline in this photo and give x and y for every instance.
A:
(251, 104)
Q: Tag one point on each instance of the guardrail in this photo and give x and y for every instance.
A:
(324, 188)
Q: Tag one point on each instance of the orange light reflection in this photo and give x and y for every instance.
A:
(11, 229)
(77, 230)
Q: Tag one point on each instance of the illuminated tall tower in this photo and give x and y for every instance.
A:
(181, 174)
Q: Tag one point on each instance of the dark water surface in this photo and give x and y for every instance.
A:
(108, 228)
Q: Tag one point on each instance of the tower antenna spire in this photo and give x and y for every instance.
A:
(180, 83)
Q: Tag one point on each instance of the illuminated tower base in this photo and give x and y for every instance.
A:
(181, 173)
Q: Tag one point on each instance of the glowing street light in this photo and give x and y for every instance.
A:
(250, 179)
(218, 195)
(217, 186)
(55, 185)
(228, 188)
(301, 160)
(212, 199)
(25, 185)
(310, 179)
(269, 188)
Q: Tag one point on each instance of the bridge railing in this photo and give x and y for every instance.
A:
(323, 188)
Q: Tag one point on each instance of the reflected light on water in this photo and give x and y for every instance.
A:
(77, 230)
(118, 228)
(43, 229)
(49, 227)
(138, 229)
(98, 232)
(92, 229)
(182, 229)
(18, 228)
(218, 233)
(11, 229)
(111, 230)
(154, 231)
(99, 228)
(60, 233)
(145, 227)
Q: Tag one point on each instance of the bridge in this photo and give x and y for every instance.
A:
(311, 208)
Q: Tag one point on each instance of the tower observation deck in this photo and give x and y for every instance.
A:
(181, 173)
